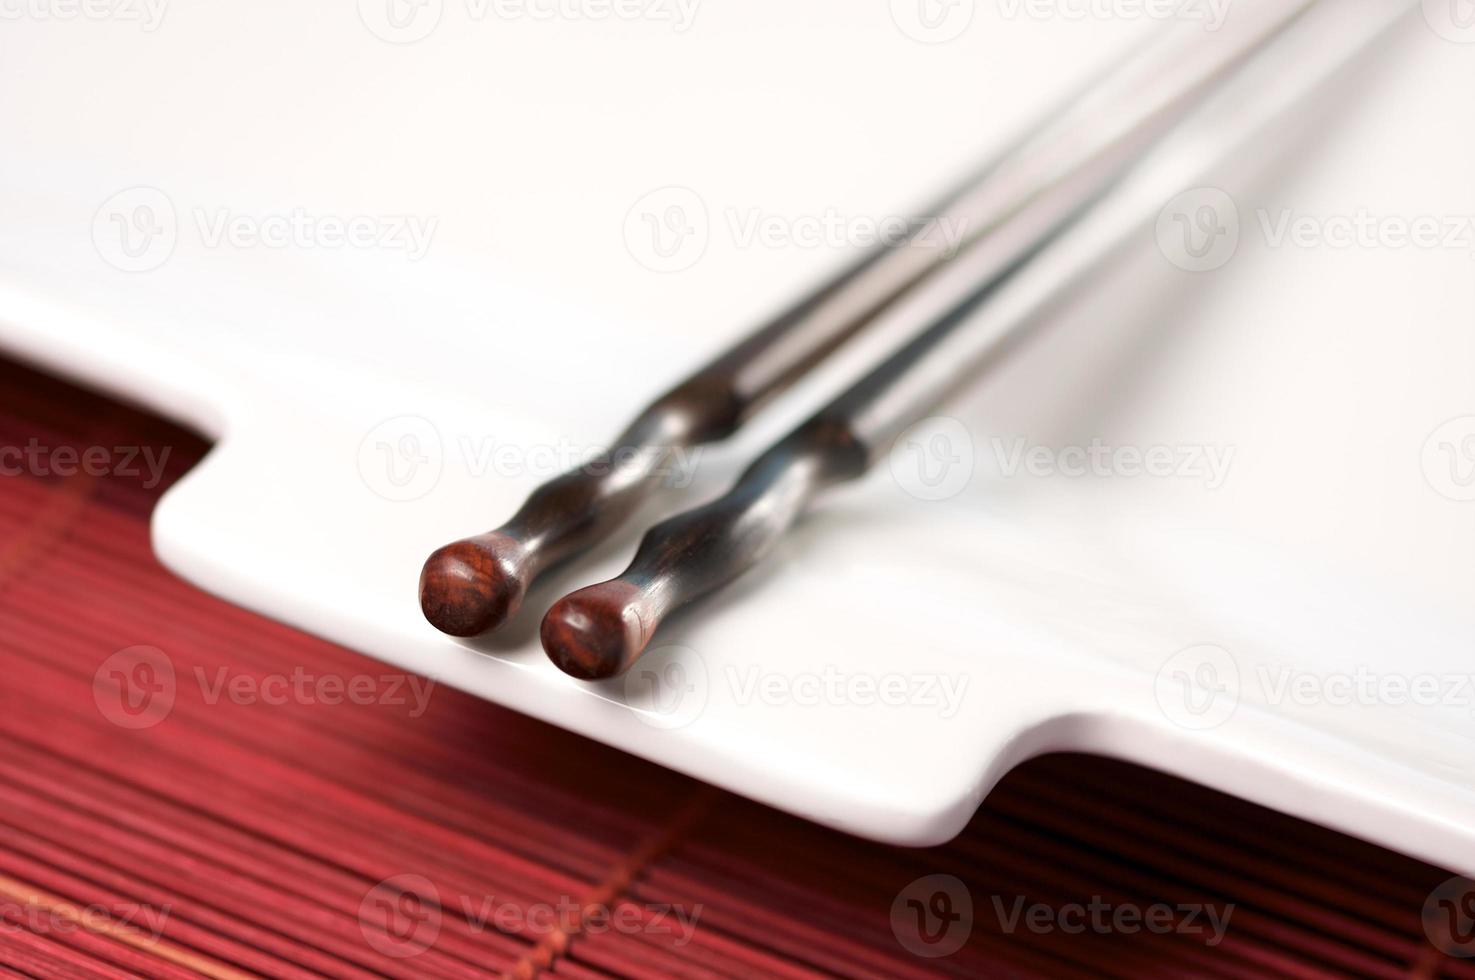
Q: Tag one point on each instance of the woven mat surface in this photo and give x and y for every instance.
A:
(190, 789)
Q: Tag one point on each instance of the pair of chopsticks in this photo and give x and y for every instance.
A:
(1023, 202)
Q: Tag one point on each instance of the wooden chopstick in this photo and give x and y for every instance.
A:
(473, 585)
(599, 631)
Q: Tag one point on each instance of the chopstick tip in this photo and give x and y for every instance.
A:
(472, 586)
(596, 632)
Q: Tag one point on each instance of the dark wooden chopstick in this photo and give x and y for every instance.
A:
(473, 585)
(599, 631)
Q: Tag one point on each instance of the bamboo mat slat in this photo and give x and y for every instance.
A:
(267, 833)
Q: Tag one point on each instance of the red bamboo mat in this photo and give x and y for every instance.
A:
(190, 789)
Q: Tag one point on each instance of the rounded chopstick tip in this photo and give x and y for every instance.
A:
(472, 586)
(596, 632)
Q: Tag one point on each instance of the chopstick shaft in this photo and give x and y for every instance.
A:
(599, 631)
(473, 585)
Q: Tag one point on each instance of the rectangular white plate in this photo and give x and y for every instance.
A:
(374, 400)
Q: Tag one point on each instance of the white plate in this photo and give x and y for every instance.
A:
(1027, 611)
